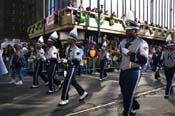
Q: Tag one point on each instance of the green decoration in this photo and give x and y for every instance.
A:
(83, 18)
(79, 17)
(151, 30)
(173, 35)
(102, 20)
(124, 24)
(40, 26)
(28, 30)
(163, 33)
(111, 22)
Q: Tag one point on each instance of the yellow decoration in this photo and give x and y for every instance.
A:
(92, 53)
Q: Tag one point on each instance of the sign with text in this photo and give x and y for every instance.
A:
(50, 20)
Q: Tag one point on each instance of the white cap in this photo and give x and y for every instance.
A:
(168, 38)
(73, 34)
(169, 41)
(40, 40)
(53, 37)
(130, 16)
(131, 24)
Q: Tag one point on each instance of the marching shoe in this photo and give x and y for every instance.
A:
(50, 91)
(35, 86)
(63, 102)
(85, 94)
(19, 83)
(46, 83)
(166, 96)
(12, 82)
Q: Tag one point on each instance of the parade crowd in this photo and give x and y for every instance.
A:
(133, 54)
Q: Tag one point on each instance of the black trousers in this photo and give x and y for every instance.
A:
(38, 72)
(71, 80)
(169, 74)
(51, 72)
(128, 81)
(102, 69)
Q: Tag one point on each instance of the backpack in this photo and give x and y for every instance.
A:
(22, 61)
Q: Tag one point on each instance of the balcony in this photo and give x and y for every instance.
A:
(67, 20)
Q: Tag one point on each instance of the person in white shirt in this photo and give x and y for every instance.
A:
(134, 55)
(51, 61)
(74, 57)
(40, 59)
(168, 62)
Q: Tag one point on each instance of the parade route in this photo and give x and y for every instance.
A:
(104, 98)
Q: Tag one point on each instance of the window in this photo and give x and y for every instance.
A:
(52, 6)
(23, 14)
(49, 7)
(13, 5)
(13, 20)
(13, 11)
(13, 27)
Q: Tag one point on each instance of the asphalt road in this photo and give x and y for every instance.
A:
(104, 98)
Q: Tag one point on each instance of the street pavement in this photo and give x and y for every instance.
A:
(104, 98)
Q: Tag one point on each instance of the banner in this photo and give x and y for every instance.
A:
(50, 20)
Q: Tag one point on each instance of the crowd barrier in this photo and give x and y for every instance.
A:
(89, 66)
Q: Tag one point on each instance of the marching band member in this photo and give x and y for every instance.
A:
(40, 59)
(134, 52)
(168, 61)
(73, 60)
(52, 60)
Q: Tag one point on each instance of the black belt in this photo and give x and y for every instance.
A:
(136, 68)
(51, 60)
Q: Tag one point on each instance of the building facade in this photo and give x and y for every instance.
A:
(17, 15)
(153, 16)
(158, 12)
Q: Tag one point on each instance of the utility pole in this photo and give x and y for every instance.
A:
(98, 7)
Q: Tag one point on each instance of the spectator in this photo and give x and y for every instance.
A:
(123, 17)
(146, 22)
(81, 8)
(95, 10)
(156, 63)
(152, 24)
(113, 14)
(3, 69)
(92, 57)
(17, 62)
(88, 9)
(25, 52)
(7, 53)
(106, 12)
(70, 4)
